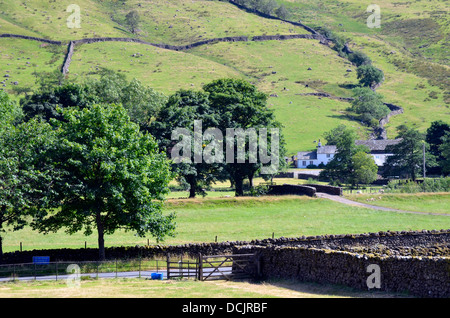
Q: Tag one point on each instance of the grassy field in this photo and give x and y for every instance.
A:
(245, 218)
(422, 202)
(278, 68)
(139, 288)
(165, 71)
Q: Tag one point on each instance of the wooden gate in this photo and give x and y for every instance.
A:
(182, 268)
(212, 267)
(237, 266)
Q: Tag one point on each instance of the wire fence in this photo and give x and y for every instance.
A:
(139, 268)
(363, 190)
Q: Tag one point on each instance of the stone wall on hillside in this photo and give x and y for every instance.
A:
(25, 37)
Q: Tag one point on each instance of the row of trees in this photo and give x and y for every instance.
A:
(95, 156)
(354, 165)
(223, 104)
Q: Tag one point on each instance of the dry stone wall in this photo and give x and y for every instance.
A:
(6, 35)
(416, 262)
(418, 276)
(291, 189)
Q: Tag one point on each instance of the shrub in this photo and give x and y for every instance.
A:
(428, 185)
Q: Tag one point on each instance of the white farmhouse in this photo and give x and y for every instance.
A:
(322, 155)
(378, 149)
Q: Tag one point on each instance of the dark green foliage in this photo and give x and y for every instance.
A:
(132, 19)
(282, 12)
(181, 110)
(369, 75)
(444, 149)
(359, 58)
(45, 104)
(407, 158)
(141, 102)
(342, 167)
(240, 105)
(112, 176)
(25, 173)
(368, 105)
(434, 135)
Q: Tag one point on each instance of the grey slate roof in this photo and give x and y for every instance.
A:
(377, 145)
(306, 155)
(326, 149)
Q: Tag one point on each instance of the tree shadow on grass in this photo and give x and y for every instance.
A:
(316, 290)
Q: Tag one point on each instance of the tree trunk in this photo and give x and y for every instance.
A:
(1, 249)
(191, 180)
(101, 238)
(239, 185)
(250, 180)
(1, 238)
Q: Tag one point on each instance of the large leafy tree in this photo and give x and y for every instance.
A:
(407, 155)
(182, 109)
(434, 135)
(368, 105)
(370, 76)
(24, 176)
(444, 149)
(141, 102)
(342, 167)
(364, 168)
(112, 176)
(132, 19)
(241, 106)
(45, 103)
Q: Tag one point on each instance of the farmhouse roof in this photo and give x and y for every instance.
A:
(327, 149)
(307, 155)
(377, 145)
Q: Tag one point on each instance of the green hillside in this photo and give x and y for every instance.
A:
(415, 78)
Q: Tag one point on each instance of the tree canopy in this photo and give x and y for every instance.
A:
(242, 108)
(182, 109)
(25, 177)
(112, 176)
(369, 106)
(342, 167)
(369, 76)
(141, 102)
(407, 155)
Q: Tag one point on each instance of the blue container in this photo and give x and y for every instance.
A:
(159, 276)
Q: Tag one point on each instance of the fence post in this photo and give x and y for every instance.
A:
(140, 267)
(200, 267)
(168, 266)
(116, 267)
(56, 265)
